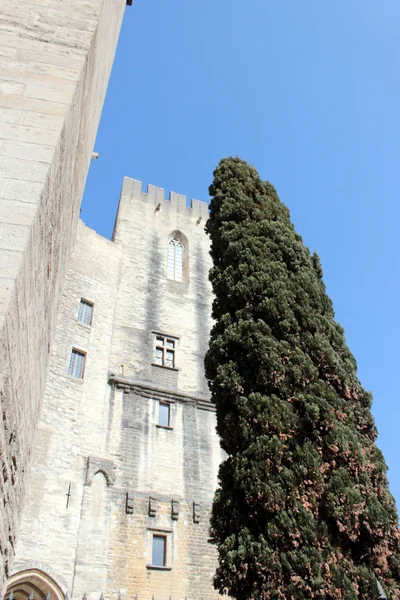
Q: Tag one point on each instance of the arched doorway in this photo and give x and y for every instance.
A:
(22, 584)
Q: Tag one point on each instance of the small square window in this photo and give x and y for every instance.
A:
(159, 551)
(85, 312)
(77, 363)
(163, 414)
(164, 354)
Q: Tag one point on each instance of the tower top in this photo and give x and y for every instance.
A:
(156, 196)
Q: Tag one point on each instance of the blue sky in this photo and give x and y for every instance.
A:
(309, 93)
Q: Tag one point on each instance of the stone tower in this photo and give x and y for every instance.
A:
(126, 454)
(56, 59)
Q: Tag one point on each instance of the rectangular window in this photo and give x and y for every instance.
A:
(163, 414)
(85, 312)
(164, 351)
(76, 363)
(159, 551)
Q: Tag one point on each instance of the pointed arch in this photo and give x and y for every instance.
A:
(178, 257)
(21, 585)
(100, 465)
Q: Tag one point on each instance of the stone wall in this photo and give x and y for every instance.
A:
(55, 59)
(100, 438)
(148, 301)
(74, 418)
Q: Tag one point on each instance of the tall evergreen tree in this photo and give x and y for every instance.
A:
(303, 508)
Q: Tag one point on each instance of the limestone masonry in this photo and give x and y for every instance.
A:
(108, 449)
(126, 454)
(55, 62)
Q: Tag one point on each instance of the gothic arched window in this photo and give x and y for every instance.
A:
(175, 259)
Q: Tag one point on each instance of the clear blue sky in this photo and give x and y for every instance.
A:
(309, 93)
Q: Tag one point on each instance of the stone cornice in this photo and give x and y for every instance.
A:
(148, 391)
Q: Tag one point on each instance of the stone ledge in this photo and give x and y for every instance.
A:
(174, 369)
(147, 391)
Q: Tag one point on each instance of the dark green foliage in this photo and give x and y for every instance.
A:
(303, 508)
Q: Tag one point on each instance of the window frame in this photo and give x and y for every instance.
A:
(168, 405)
(82, 302)
(166, 534)
(160, 345)
(83, 354)
(177, 260)
(175, 271)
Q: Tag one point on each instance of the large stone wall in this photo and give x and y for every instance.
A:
(100, 434)
(74, 420)
(55, 60)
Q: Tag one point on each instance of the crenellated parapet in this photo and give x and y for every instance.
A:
(155, 196)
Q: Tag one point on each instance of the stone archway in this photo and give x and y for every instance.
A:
(23, 583)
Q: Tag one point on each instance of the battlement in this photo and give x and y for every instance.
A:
(156, 197)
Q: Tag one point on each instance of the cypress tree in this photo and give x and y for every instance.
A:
(303, 508)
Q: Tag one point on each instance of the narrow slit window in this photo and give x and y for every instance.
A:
(175, 259)
(85, 312)
(164, 351)
(163, 414)
(77, 364)
(159, 551)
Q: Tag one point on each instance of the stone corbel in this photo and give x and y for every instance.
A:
(196, 512)
(152, 507)
(174, 510)
(129, 504)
